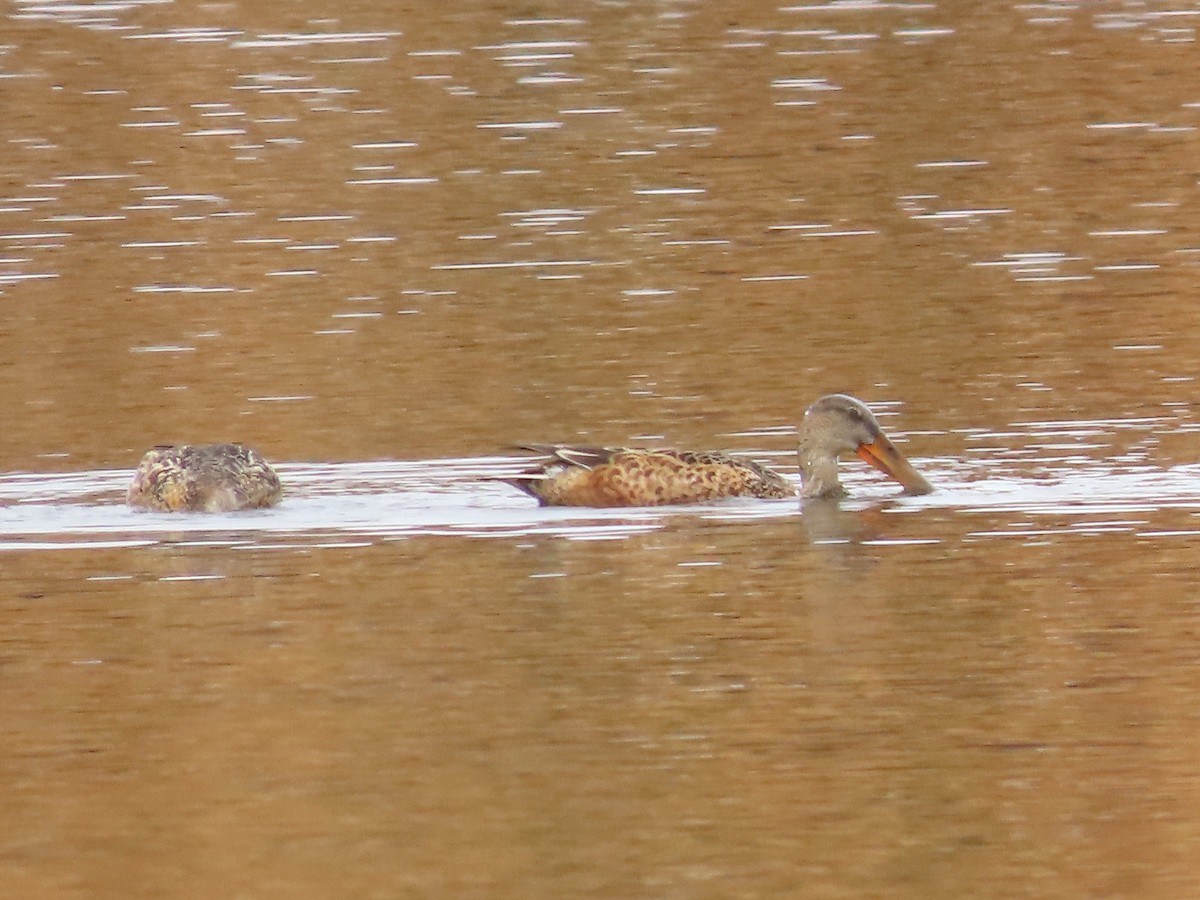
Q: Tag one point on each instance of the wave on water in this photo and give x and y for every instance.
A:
(337, 502)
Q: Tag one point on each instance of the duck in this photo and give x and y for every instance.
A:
(203, 478)
(834, 425)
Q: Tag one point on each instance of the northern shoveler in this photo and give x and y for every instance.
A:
(617, 476)
(203, 478)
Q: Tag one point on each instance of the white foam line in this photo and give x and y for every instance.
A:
(531, 264)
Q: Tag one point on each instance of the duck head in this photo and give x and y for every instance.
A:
(838, 424)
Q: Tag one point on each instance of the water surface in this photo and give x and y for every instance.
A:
(383, 245)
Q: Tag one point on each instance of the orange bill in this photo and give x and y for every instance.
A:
(883, 455)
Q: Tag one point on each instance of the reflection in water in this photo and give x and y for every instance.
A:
(380, 231)
(462, 497)
(680, 684)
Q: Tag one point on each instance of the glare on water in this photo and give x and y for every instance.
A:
(383, 245)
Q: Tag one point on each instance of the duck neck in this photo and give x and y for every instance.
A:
(820, 477)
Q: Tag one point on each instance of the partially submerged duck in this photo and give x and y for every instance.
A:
(838, 424)
(203, 478)
(618, 476)
(623, 476)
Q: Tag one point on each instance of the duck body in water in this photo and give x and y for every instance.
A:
(623, 476)
(203, 478)
(610, 477)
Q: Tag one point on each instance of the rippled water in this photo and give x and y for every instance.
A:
(383, 245)
(392, 500)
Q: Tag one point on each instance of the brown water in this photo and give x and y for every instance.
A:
(382, 242)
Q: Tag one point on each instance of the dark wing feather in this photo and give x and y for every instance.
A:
(571, 454)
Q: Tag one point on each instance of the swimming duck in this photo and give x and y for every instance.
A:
(203, 478)
(619, 476)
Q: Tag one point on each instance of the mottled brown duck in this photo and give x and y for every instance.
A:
(203, 478)
(618, 476)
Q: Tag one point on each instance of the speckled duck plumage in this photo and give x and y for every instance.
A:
(203, 478)
(610, 477)
(622, 476)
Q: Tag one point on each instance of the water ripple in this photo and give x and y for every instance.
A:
(460, 497)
